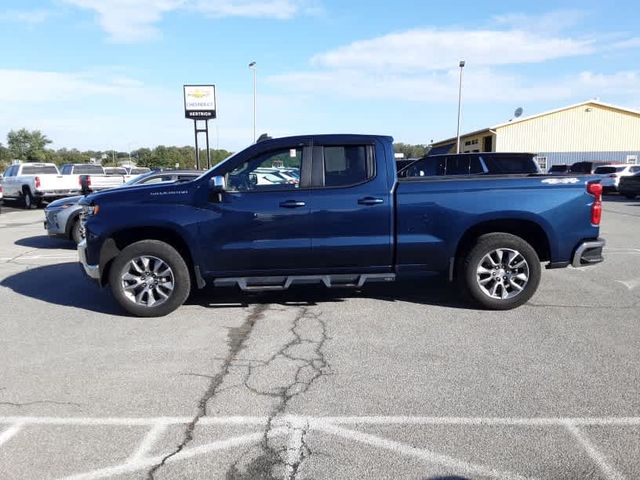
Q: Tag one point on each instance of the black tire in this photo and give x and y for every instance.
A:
(471, 278)
(165, 253)
(75, 233)
(27, 199)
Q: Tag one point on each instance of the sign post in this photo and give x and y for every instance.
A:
(200, 105)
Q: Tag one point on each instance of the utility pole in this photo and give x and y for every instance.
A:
(253, 66)
(461, 65)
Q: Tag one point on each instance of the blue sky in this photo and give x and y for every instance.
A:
(109, 73)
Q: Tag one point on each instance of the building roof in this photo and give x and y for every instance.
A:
(537, 115)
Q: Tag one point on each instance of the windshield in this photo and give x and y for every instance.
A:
(607, 170)
(137, 179)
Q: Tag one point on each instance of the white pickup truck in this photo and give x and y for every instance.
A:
(31, 183)
(92, 177)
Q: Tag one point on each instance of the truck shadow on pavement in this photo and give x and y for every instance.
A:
(65, 284)
(46, 242)
(434, 292)
(62, 284)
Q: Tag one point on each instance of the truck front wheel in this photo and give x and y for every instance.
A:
(150, 279)
(501, 272)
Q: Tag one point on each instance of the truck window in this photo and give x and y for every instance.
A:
(457, 165)
(504, 164)
(88, 170)
(346, 165)
(262, 172)
(39, 170)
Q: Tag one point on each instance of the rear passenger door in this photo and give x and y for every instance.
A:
(350, 208)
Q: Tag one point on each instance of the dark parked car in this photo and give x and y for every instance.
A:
(559, 169)
(488, 163)
(586, 167)
(630, 186)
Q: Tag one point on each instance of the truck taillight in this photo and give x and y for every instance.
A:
(37, 182)
(595, 189)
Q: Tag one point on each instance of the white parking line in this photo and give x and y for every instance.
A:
(609, 472)
(40, 257)
(6, 435)
(295, 426)
(148, 442)
(427, 455)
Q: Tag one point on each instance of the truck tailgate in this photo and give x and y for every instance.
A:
(57, 184)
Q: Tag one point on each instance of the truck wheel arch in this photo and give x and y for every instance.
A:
(528, 230)
(121, 239)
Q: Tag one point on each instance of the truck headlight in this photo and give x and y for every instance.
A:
(90, 210)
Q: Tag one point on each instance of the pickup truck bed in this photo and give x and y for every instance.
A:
(348, 221)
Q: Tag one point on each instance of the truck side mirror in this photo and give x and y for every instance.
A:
(217, 184)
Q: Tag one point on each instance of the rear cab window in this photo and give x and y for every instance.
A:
(347, 165)
(88, 170)
(39, 170)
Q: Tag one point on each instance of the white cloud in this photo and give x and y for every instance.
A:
(480, 85)
(432, 49)
(103, 109)
(30, 17)
(554, 21)
(633, 42)
(28, 86)
(128, 21)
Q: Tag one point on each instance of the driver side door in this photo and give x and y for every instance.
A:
(261, 226)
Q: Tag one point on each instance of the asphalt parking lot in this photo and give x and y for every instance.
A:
(396, 381)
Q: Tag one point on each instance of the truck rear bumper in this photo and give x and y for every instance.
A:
(92, 271)
(588, 253)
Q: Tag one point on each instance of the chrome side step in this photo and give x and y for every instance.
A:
(252, 284)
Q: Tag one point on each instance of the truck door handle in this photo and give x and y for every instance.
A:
(292, 204)
(370, 201)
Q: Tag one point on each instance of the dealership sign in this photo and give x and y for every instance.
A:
(200, 101)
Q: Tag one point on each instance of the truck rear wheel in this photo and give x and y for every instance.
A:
(501, 272)
(27, 199)
(150, 279)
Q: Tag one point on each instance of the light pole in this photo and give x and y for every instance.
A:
(461, 65)
(252, 66)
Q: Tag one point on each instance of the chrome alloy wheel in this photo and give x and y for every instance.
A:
(502, 273)
(147, 281)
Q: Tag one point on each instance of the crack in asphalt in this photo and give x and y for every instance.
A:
(308, 371)
(39, 402)
(236, 340)
(17, 257)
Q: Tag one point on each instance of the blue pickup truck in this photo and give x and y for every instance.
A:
(329, 209)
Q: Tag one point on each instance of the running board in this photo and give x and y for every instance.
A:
(253, 284)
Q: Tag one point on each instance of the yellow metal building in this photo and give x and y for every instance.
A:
(588, 131)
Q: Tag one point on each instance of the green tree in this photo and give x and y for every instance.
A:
(410, 151)
(27, 145)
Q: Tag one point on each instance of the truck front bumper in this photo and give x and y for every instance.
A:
(588, 253)
(92, 271)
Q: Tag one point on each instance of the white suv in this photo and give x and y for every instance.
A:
(610, 174)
